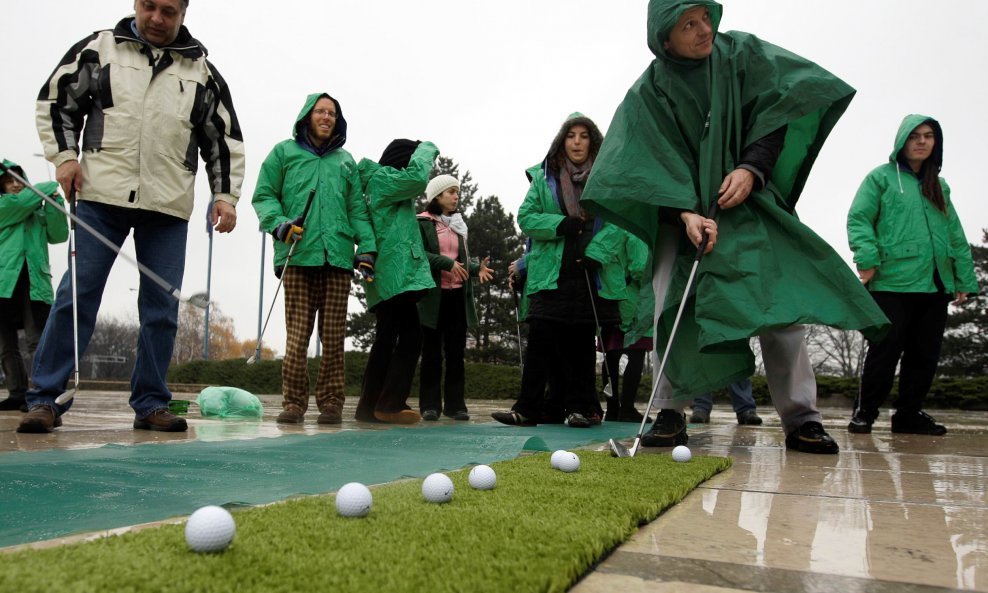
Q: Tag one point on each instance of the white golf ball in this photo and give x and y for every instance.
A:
(554, 460)
(568, 462)
(483, 477)
(437, 488)
(354, 500)
(682, 454)
(210, 529)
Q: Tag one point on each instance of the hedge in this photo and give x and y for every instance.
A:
(488, 381)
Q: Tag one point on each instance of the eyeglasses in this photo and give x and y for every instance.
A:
(324, 112)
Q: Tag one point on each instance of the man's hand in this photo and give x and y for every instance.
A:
(69, 175)
(223, 216)
(959, 299)
(866, 275)
(485, 274)
(736, 188)
(695, 227)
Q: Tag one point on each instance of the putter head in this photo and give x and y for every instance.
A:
(65, 397)
(199, 299)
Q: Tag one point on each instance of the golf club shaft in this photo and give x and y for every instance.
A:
(284, 269)
(521, 359)
(68, 395)
(714, 209)
(150, 274)
(600, 337)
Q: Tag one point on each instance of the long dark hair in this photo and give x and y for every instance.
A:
(929, 175)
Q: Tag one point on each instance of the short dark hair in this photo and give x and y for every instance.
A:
(434, 207)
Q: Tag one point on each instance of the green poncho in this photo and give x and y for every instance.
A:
(679, 131)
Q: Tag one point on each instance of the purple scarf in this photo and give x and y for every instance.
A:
(572, 179)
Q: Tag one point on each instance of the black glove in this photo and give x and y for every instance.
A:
(570, 227)
(288, 232)
(364, 263)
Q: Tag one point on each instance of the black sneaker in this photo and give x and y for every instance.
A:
(669, 430)
(700, 416)
(430, 415)
(859, 424)
(811, 438)
(512, 418)
(462, 416)
(749, 418)
(577, 420)
(917, 423)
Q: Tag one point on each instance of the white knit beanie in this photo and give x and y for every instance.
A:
(439, 184)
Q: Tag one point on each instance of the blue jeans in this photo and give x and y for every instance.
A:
(741, 398)
(159, 241)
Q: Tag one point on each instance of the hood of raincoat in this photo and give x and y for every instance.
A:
(302, 121)
(15, 167)
(575, 119)
(910, 123)
(663, 16)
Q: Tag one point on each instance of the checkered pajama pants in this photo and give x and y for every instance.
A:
(308, 291)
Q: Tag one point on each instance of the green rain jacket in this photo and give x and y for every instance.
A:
(27, 226)
(891, 226)
(430, 303)
(338, 217)
(626, 270)
(402, 265)
(679, 131)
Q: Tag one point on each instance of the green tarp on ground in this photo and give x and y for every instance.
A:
(58, 492)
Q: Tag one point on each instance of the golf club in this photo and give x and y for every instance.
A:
(600, 338)
(281, 279)
(68, 395)
(617, 449)
(198, 299)
(521, 359)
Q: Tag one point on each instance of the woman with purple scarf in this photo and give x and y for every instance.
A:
(562, 285)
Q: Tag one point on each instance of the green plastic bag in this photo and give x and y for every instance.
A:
(229, 402)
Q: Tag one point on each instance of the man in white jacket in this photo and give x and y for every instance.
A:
(150, 102)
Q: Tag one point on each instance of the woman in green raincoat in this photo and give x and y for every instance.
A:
(911, 253)
(27, 227)
(401, 278)
(727, 117)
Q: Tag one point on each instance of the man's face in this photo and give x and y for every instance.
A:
(919, 144)
(693, 35)
(322, 122)
(577, 144)
(158, 21)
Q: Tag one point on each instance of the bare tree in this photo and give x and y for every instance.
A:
(835, 352)
(223, 342)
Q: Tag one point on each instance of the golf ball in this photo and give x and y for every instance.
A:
(568, 462)
(210, 529)
(554, 460)
(483, 477)
(354, 500)
(437, 488)
(681, 454)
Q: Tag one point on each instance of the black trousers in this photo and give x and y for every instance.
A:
(918, 321)
(632, 376)
(19, 311)
(447, 341)
(563, 356)
(391, 363)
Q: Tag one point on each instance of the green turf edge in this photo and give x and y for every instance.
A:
(538, 530)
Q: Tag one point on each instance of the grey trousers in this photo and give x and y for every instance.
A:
(791, 381)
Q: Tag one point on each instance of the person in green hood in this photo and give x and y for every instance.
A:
(401, 278)
(728, 118)
(911, 253)
(27, 227)
(310, 183)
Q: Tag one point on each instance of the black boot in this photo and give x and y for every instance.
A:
(13, 402)
(669, 430)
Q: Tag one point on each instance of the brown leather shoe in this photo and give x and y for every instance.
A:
(330, 416)
(399, 417)
(162, 420)
(41, 418)
(291, 415)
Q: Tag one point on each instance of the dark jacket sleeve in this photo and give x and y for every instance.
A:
(760, 156)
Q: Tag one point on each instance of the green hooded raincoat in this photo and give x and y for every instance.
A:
(26, 228)
(679, 131)
(338, 217)
(402, 265)
(893, 227)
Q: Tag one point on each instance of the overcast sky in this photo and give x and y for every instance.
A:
(491, 82)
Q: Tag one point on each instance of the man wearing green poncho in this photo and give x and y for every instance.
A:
(728, 117)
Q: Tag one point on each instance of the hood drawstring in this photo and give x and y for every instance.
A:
(898, 173)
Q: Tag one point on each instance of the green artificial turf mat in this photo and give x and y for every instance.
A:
(539, 530)
(116, 486)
